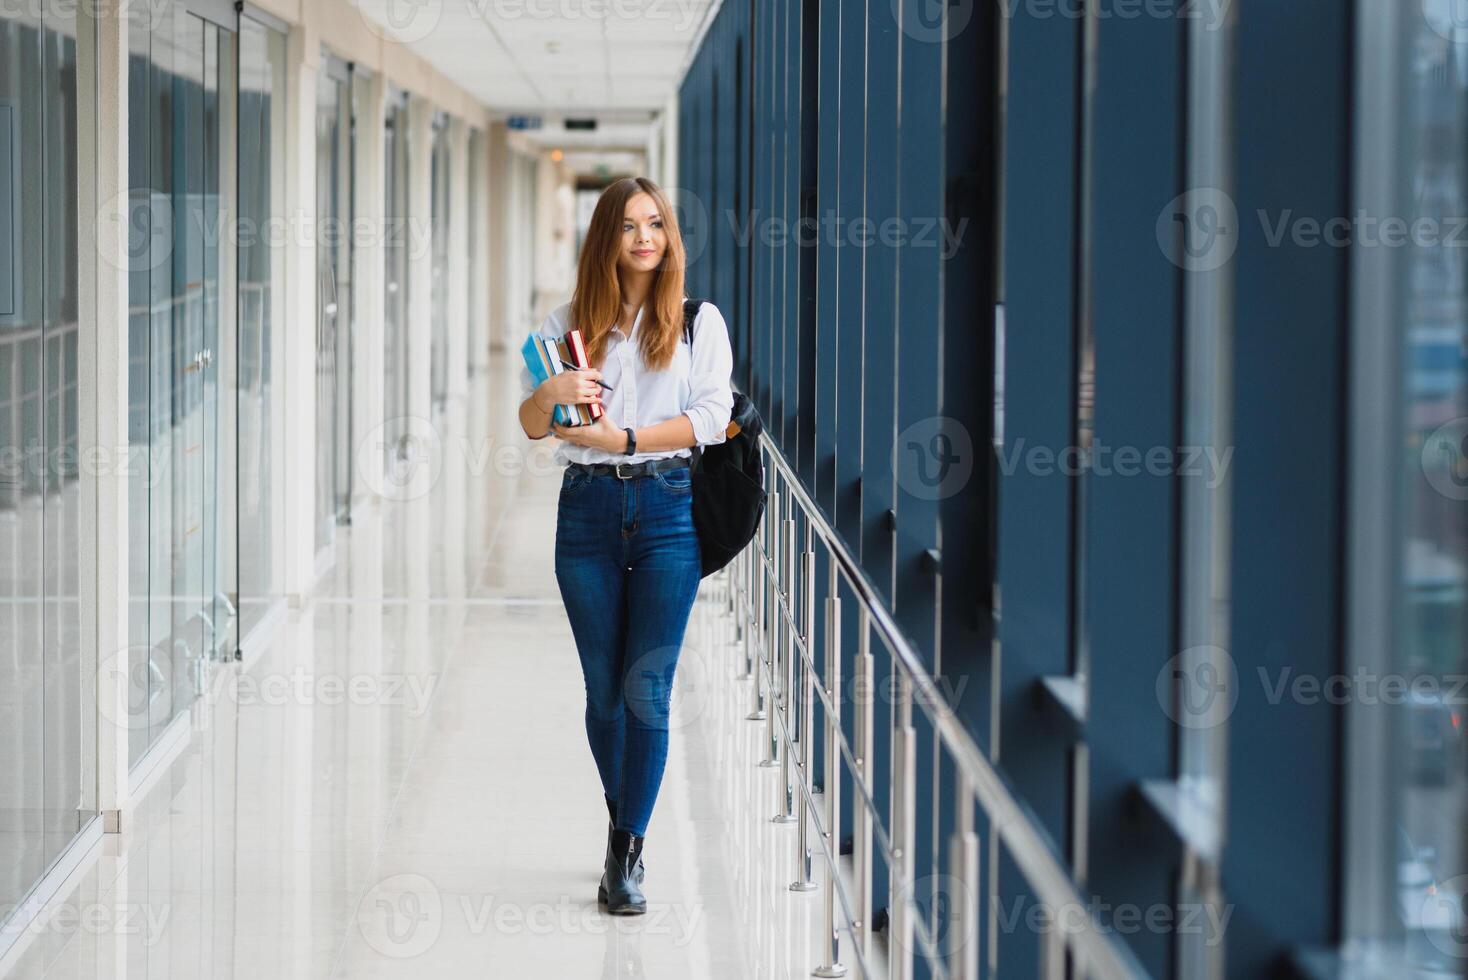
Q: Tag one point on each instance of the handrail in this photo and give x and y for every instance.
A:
(768, 581)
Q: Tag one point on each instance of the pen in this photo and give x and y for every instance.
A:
(575, 368)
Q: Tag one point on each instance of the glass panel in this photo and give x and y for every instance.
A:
(261, 273)
(1208, 400)
(399, 234)
(187, 558)
(478, 333)
(342, 256)
(1432, 520)
(175, 151)
(334, 306)
(22, 637)
(153, 685)
(61, 816)
(44, 797)
(440, 190)
(144, 226)
(219, 514)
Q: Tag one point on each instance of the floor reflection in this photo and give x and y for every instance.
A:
(400, 787)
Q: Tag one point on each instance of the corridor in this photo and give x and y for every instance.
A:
(1100, 372)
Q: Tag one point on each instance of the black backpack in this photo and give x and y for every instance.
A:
(728, 478)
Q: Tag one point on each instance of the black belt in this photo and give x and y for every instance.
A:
(628, 471)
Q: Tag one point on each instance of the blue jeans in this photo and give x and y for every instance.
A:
(627, 562)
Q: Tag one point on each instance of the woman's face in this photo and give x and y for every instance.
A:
(644, 242)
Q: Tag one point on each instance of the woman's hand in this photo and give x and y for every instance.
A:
(601, 434)
(568, 388)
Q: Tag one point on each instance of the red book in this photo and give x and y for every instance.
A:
(579, 358)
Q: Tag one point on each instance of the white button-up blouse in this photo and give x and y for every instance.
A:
(695, 384)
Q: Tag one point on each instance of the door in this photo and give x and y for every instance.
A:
(181, 81)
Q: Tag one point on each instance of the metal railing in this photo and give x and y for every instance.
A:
(771, 592)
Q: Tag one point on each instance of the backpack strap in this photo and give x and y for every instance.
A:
(690, 312)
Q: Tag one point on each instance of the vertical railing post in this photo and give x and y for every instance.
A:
(769, 596)
(804, 772)
(903, 817)
(861, 845)
(963, 934)
(740, 599)
(831, 965)
(1052, 952)
(753, 597)
(788, 703)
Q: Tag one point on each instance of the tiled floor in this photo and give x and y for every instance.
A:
(400, 786)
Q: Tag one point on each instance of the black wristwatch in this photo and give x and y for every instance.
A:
(631, 442)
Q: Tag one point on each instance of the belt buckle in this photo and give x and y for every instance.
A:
(624, 476)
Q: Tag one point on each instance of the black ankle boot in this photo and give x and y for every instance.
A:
(612, 823)
(623, 896)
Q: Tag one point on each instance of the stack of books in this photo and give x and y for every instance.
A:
(546, 357)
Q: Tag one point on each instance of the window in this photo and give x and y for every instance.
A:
(1408, 870)
(261, 301)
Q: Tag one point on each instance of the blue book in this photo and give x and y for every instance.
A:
(541, 368)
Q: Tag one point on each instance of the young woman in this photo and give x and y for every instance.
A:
(627, 557)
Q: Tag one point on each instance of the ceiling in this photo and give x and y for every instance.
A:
(618, 60)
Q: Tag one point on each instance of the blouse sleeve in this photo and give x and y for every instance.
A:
(528, 384)
(710, 396)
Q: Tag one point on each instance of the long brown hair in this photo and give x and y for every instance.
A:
(596, 305)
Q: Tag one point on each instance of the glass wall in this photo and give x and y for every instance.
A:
(334, 175)
(261, 299)
(181, 74)
(46, 786)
